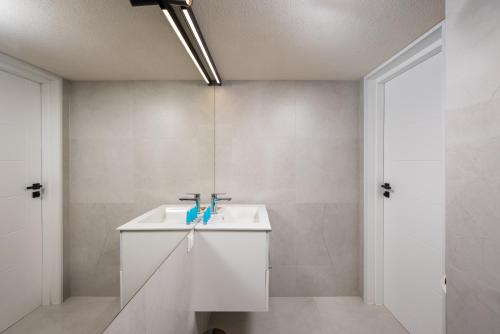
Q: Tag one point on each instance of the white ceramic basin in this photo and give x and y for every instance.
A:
(164, 217)
(247, 217)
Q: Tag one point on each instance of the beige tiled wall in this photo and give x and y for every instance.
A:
(473, 166)
(133, 146)
(295, 147)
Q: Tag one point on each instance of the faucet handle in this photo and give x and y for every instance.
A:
(215, 197)
(196, 197)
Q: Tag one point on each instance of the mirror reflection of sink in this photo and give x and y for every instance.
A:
(238, 217)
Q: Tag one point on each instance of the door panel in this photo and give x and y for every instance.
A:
(414, 214)
(20, 214)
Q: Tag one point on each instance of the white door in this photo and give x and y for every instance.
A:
(20, 214)
(414, 213)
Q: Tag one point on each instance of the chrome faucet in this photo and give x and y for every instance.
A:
(195, 198)
(215, 198)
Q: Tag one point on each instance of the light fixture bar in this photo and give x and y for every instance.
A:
(170, 20)
(181, 18)
(201, 44)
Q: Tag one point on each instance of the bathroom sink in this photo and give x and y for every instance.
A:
(246, 217)
(164, 217)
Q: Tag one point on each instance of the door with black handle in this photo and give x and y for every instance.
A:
(388, 190)
(36, 190)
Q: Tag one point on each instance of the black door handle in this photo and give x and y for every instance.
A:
(388, 189)
(386, 186)
(34, 186)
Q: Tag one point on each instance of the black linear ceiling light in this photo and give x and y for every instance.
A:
(182, 19)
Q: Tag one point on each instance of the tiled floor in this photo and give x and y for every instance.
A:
(77, 315)
(287, 315)
(318, 315)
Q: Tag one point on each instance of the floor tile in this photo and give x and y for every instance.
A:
(318, 315)
(77, 315)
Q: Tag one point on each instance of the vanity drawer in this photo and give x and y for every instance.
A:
(231, 271)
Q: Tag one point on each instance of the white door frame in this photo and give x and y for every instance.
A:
(52, 173)
(420, 50)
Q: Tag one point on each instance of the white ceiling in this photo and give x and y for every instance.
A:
(248, 39)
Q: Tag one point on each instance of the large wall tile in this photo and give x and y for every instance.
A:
(101, 110)
(473, 166)
(101, 171)
(255, 109)
(310, 240)
(327, 171)
(283, 281)
(326, 109)
(284, 249)
(256, 170)
(294, 146)
(316, 281)
(172, 110)
(167, 168)
(94, 257)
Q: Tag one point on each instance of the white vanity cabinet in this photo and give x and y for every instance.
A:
(146, 241)
(230, 265)
(231, 261)
(141, 253)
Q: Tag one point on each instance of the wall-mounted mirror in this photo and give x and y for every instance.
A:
(133, 146)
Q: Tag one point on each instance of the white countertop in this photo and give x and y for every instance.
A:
(156, 220)
(230, 217)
